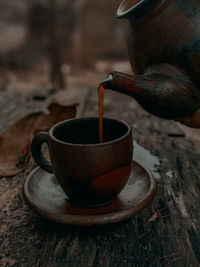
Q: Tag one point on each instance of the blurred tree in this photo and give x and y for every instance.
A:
(99, 35)
(63, 31)
(78, 36)
(55, 55)
(52, 23)
(13, 31)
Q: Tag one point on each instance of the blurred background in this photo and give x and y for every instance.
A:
(57, 44)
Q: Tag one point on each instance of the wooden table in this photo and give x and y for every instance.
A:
(167, 233)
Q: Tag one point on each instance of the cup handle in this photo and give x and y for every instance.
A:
(36, 145)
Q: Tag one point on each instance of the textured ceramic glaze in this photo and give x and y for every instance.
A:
(164, 52)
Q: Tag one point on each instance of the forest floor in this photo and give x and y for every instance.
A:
(35, 82)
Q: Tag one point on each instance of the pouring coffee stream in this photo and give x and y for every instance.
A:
(164, 52)
(101, 92)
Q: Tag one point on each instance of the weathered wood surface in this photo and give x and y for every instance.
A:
(171, 239)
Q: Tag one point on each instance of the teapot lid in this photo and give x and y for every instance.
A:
(134, 9)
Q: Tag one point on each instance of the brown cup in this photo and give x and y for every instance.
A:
(90, 173)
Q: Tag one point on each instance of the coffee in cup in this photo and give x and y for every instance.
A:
(90, 173)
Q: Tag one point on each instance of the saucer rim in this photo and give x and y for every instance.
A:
(92, 220)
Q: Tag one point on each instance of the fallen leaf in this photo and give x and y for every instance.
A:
(157, 215)
(15, 142)
(173, 260)
(154, 216)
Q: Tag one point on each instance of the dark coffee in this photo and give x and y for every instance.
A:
(86, 131)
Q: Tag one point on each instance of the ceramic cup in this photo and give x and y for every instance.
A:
(89, 172)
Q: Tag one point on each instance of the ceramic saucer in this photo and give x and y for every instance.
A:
(44, 196)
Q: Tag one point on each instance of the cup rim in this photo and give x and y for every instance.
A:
(129, 131)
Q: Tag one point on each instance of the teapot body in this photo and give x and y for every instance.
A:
(164, 31)
(164, 52)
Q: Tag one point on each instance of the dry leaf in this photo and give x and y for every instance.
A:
(157, 215)
(154, 216)
(15, 141)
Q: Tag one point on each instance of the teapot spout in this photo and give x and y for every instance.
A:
(123, 83)
(164, 90)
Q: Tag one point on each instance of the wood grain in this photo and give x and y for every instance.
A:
(171, 239)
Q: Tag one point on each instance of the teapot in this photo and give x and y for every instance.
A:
(164, 52)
